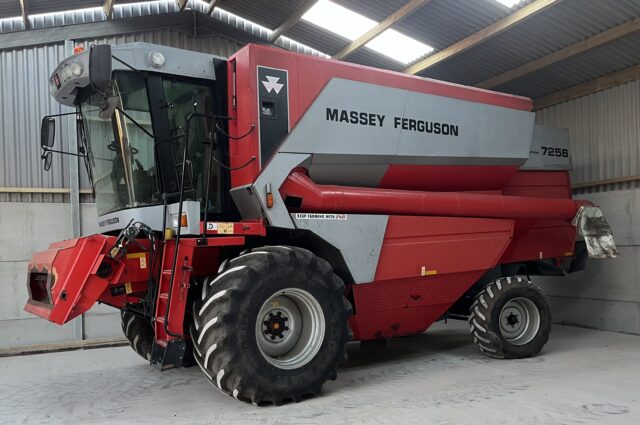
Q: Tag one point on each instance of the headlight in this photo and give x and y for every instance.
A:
(76, 69)
(67, 72)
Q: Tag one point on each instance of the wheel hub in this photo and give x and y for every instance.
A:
(513, 319)
(519, 321)
(290, 328)
(275, 325)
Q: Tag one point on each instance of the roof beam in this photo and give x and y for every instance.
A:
(390, 20)
(107, 7)
(483, 35)
(24, 11)
(599, 84)
(565, 53)
(212, 5)
(292, 19)
(182, 4)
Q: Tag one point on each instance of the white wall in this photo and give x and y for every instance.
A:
(606, 295)
(24, 229)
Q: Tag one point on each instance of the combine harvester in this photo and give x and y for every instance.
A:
(260, 212)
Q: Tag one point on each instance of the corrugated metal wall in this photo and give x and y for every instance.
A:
(604, 128)
(25, 99)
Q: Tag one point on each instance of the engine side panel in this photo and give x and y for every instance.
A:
(428, 246)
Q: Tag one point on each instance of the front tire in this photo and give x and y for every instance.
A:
(272, 326)
(510, 318)
(138, 332)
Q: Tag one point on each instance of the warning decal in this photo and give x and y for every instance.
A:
(314, 216)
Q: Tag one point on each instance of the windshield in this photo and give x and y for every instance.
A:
(121, 155)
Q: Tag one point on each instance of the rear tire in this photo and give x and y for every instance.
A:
(510, 319)
(272, 326)
(139, 332)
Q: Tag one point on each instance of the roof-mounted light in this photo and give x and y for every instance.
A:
(351, 25)
(66, 71)
(509, 3)
(338, 19)
(156, 59)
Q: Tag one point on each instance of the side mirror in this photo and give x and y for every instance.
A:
(46, 160)
(47, 132)
(100, 68)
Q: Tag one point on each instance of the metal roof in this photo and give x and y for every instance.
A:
(268, 13)
(438, 23)
(9, 8)
(47, 6)
(557, 27)
(612, 57)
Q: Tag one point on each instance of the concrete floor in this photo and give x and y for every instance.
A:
(439, 377)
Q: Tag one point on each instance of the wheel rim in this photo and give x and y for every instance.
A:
(290, 328)
(519, 321)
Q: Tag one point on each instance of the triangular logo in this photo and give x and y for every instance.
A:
(272, 84)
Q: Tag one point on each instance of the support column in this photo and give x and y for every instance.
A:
(74, 190)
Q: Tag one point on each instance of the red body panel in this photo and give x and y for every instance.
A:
(539, 184)
(438, 245)
(447, 178)
(540, 239)
(406, 306)
(426, 264)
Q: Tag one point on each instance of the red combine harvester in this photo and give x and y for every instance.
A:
(260, 212)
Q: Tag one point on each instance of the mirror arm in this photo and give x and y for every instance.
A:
(62, 152)
(82, 139)
(61, 115)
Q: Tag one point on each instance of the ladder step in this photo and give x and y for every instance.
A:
(160, 319)
(167, 272)
(163, 296)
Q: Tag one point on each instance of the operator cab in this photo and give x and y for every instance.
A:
(137, 105)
